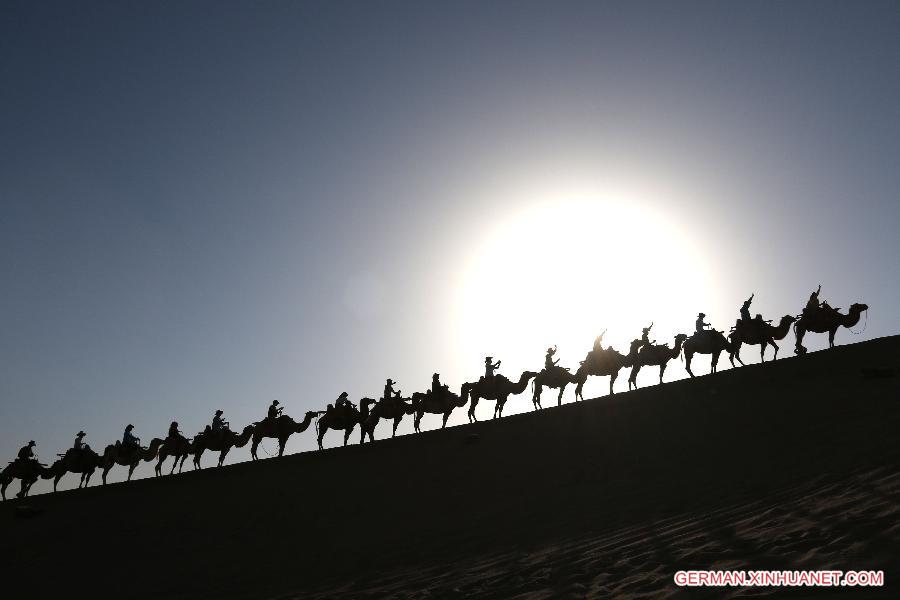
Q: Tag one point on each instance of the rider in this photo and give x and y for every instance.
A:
(219, 424)
(389, 389)
(701, 325)
(745, 308)
(813, 302)
(129, 439)
(549, 363)
(274, 411)
(343, 402)
(489, 367)
(598, 342)
(437, 389)
(174, 433)
(78, 446)
(26, 453)
(645, 339)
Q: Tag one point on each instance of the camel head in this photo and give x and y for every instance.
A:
(858, 307)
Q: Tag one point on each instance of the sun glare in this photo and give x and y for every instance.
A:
(560, 272)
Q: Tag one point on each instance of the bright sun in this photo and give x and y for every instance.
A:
(561, 272)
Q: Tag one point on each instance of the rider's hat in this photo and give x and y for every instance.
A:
(81, 434)
(130, 426)
(174, 422)
(488, 359)
(343, 395)
(701, 315)
(219, 412)
(31, 443)
(275, 402)
(390, 381)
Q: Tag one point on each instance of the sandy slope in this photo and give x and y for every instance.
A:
(787, 465)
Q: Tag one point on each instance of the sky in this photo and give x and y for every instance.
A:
(213, 205)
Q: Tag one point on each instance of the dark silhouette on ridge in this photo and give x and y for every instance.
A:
(705, 340)
(604, 363)
(655, 355)
(497, 388)
(553, 376)
(280, 428)
(824, 319)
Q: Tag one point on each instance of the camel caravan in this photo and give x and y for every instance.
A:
(344, 416)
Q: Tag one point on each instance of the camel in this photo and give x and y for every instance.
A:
(179, 448)
(556, 377)
(83, 462)
(652, 355)
(281, 428)
(441, 405)
(27, 472)
(826, 319)
(207, 440)
(712, 342)
(395, 409)
(762, 335)
(115, 454)
(607, 362)
(499, 389)
(343, 419)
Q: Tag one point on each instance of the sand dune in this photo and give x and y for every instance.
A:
(787, 465)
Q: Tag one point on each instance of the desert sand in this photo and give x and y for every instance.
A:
(789, 465)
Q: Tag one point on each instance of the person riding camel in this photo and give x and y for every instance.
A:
(549, 363)
(701, 324)
(26, 453)
(438, 390)
(219, 425)
(389, 389)
(79, 445)
(813, 303)
(598, 343)
(745, 308)
(343, 404)
(274, 411)
(490, 367)
(174, 432)
(645, 336)
(129, 440)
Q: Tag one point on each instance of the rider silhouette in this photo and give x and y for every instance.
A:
(389, 389)
(645, 336)
(745, 308)
(813, 302)
(598, 342)
(549, 363)
(219, 425)
(78, 446)
(437, 388)
(174, 433)
(274, 411)
(26, 453)
(489, 367)
(343, 402)
(129, 439)
(701, 325)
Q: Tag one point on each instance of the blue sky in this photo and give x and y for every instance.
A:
(214, 204)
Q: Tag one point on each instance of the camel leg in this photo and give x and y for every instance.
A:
(222, 454)
(3, 485)
(578, 388)
(798, 348)
(688, 357)
(662, 369)
(394, 431)
(559, 397)
(612, 380)
(444, 421)
(416, 420)
(131, 469)
(199, 453)
(56, 481)
(105, 471)
(776, 349)
(536, 398)
(831, 335)
(255, 444)
(322, 431)
(472, 404)
(282, 442)
(174, 464)
(715, 362)
(347, 435)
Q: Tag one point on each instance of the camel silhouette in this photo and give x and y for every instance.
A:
(84, 462)
(394, 408)
(344, 419)
(554, 377)
(826, 320)
(607, 362)
(498, 388)
(207, 440)
(281, 429)
(759, 334)
(443, 404)
(116, 454)
(655, 355)
(712, 342)
(27, 472)
(179, 447)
